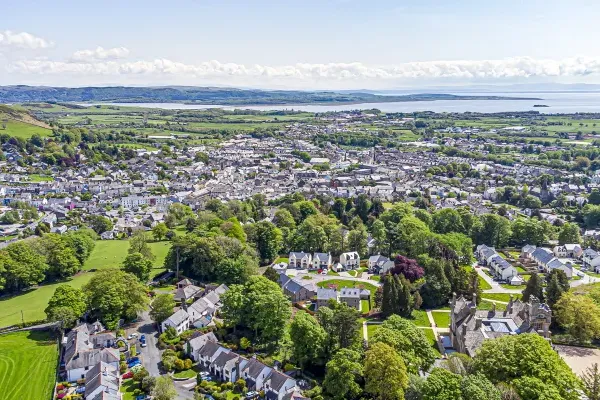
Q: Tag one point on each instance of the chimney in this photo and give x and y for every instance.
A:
(477, 323)
(475, 299)
(493, 308)
(464, 330)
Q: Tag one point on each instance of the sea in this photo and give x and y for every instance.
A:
(557, 102)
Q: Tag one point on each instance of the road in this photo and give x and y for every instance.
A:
(316, 278)
(151, 353)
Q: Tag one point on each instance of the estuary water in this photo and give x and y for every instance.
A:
(557, 102)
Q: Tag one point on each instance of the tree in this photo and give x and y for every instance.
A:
(99, 223)
(569, 234)
(579, 315)
(379, 235)
(114, 294)
(357, 241)
(533, 288)
(407, 267)
(510, 357)
(164, 389)
(436, 290)
(408, 340)
(160, 231)
(442, 384)
(162, 307)
(67, 304)
(271, 274)
(385, 373)
(341, 324)
(259, 305)
(139, 244)
(479, 387)
(557, 284)
(530, 388)
(447, 220)
(83, 242)
(235, 270)
(268, 240)
(591, 382)
(342, 374)
(60, 257)
(397, 298)
(284, 219)
(594, 197)
(138, 265)
(23, 267)
(308, 339)
(492, 230)
(233, 228)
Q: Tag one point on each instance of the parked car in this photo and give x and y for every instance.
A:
(127, 375)
(133, 359)
(133, 364)
(251, 395)
(132, 335)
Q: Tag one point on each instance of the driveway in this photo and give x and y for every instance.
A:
(185, 389)
(151, 353)
(316, 278)
(496, 288)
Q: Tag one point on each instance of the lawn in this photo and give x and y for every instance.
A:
(431, 337)
(33, 302)
(127, 388)
(111, 254)
(365, 306)
(186, 374)
(23, 130)
(441, 318)
(371, 328)
(505, 297)
(27, 365)
(375, 278)
(419, 318)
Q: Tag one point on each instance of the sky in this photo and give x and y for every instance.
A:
(309, 44)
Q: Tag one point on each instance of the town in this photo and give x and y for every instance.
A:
(242, 254)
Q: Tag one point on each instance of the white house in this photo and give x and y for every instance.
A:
(501, 268)
(300, 260)
(568, 250)
(321, 261)
(180, 321)
(197, 342)
(350, 260)
(84, 350)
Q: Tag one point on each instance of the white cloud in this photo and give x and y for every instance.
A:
(463, 70)
(23, 40)
(99, 54)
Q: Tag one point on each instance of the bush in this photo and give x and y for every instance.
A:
(122, 357)
(289, 367)
(179, 364)
(122, 367)
(187, 364)
(245, 343)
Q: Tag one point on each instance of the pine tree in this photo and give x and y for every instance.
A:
(387, 298)
(533, 288)
(591, 382)
(405, 298)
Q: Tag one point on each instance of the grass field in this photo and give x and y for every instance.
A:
(23, 130)
(33, 302)
(107, 254)
(27, 366)
(442, 319)
(371, 328)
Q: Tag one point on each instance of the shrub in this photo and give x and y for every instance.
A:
(245, 343)
(122, 357)
(179, 364)
(122, 367)
(187, 364)
(289, 367)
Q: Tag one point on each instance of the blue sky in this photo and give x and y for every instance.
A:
(299, 44)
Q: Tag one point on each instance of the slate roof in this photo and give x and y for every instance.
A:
(186, 292)
(542, 255)
(178, 318)
(326, 294)
(210, 349)
(277, 380)
(196, 342)
(350, 293)
(101, 375)
(92, 357)
(254, 368)
(224, 358)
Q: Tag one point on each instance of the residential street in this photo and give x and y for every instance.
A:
(150, 354)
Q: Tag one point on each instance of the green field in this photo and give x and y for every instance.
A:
(22, 129)
(28, 363)
(111, 254)
(442, 319)
(107, 254)
(371, 328)
(33, 302)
